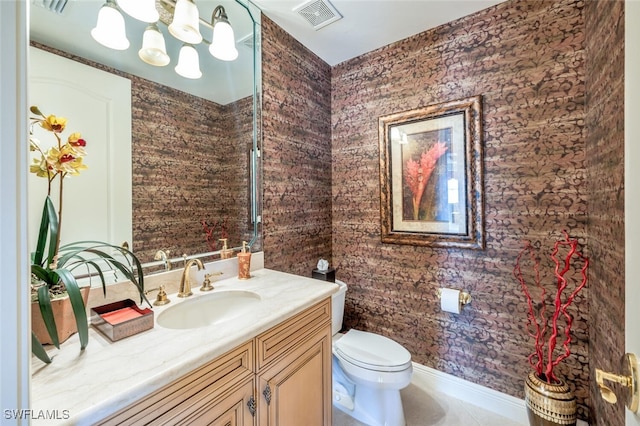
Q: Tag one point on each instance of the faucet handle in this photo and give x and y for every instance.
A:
(161, 298)
(206, 284)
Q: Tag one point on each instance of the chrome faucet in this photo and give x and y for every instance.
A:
(185, 282)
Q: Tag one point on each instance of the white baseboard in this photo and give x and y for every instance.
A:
(432, 381)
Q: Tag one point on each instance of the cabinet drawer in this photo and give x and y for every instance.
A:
(221, 373)
(285, 337)
(227, 409)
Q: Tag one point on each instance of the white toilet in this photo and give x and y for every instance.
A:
(368, 372)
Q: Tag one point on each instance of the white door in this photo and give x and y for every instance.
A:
(632, 183)
(98, 105)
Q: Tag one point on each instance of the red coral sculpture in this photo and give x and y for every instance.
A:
(209, 231)
(543, 327)
(416, 175)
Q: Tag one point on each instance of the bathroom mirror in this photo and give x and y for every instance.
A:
(194, 143)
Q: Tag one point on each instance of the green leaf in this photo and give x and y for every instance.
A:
(79, 310)
(44, 274)
(48, 228)
(125, 263)
(44, 301)
(38, 350)
(53, 229)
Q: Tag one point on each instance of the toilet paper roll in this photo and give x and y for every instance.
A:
(450, 300)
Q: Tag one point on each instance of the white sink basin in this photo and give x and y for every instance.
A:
(201, 311)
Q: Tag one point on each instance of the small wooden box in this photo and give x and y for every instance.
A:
(121, 319)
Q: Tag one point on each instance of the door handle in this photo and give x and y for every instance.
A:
(628, 379)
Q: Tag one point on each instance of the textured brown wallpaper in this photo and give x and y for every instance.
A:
(190, 164)
(526, 59)
(604, 22)
(190, 159)
(296, 87)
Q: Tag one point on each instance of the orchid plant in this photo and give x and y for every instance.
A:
(52, 264)
(543, 324)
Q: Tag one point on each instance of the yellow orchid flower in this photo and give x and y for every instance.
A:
(77, 144)
(54, 124)
(40, 167)
(74, 166)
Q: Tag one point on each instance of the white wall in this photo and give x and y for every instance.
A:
(14, 305)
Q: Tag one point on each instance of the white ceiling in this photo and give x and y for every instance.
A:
(366, 25)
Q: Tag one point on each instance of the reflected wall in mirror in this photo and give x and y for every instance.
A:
(193, 156)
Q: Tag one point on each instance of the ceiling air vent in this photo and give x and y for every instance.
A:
(56, 6)
(319, 13)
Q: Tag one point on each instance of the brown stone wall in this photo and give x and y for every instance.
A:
(190, 163)
(604, 46)
(296, 87)
(526, 59)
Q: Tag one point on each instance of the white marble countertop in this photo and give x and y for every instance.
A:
(81, 387)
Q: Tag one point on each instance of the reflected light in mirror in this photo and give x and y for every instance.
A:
(186, 22)
(142, 10)
(188, 62)
(223, 44)
(109, 30)
(153, 51)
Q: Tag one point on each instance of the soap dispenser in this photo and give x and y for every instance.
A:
(225, 252)
(244, 262)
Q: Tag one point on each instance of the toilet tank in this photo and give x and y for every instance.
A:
(337, 307)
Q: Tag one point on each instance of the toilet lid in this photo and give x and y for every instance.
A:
(372, 351)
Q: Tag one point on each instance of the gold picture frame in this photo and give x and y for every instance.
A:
(431, 175)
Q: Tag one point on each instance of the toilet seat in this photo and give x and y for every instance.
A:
(372, 352)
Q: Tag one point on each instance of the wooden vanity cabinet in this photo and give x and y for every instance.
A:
(280, 378)
(293, 362)
(216, 393)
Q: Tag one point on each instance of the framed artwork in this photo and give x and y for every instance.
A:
(431, 176)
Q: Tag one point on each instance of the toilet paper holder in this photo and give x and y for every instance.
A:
(464, 297)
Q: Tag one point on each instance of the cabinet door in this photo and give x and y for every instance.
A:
(296, 390)
(231, 409)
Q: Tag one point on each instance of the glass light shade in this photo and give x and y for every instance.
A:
(109, 30)
(186, 22)
(142, 10)
(188, 62)
(154, 51)
(223, 42)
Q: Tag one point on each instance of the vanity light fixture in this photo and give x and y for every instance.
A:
(109, 30)
(188, 62)
(184, 26)
(223, 42)
(154, 51)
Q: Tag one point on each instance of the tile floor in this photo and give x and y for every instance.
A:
(424, 409)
